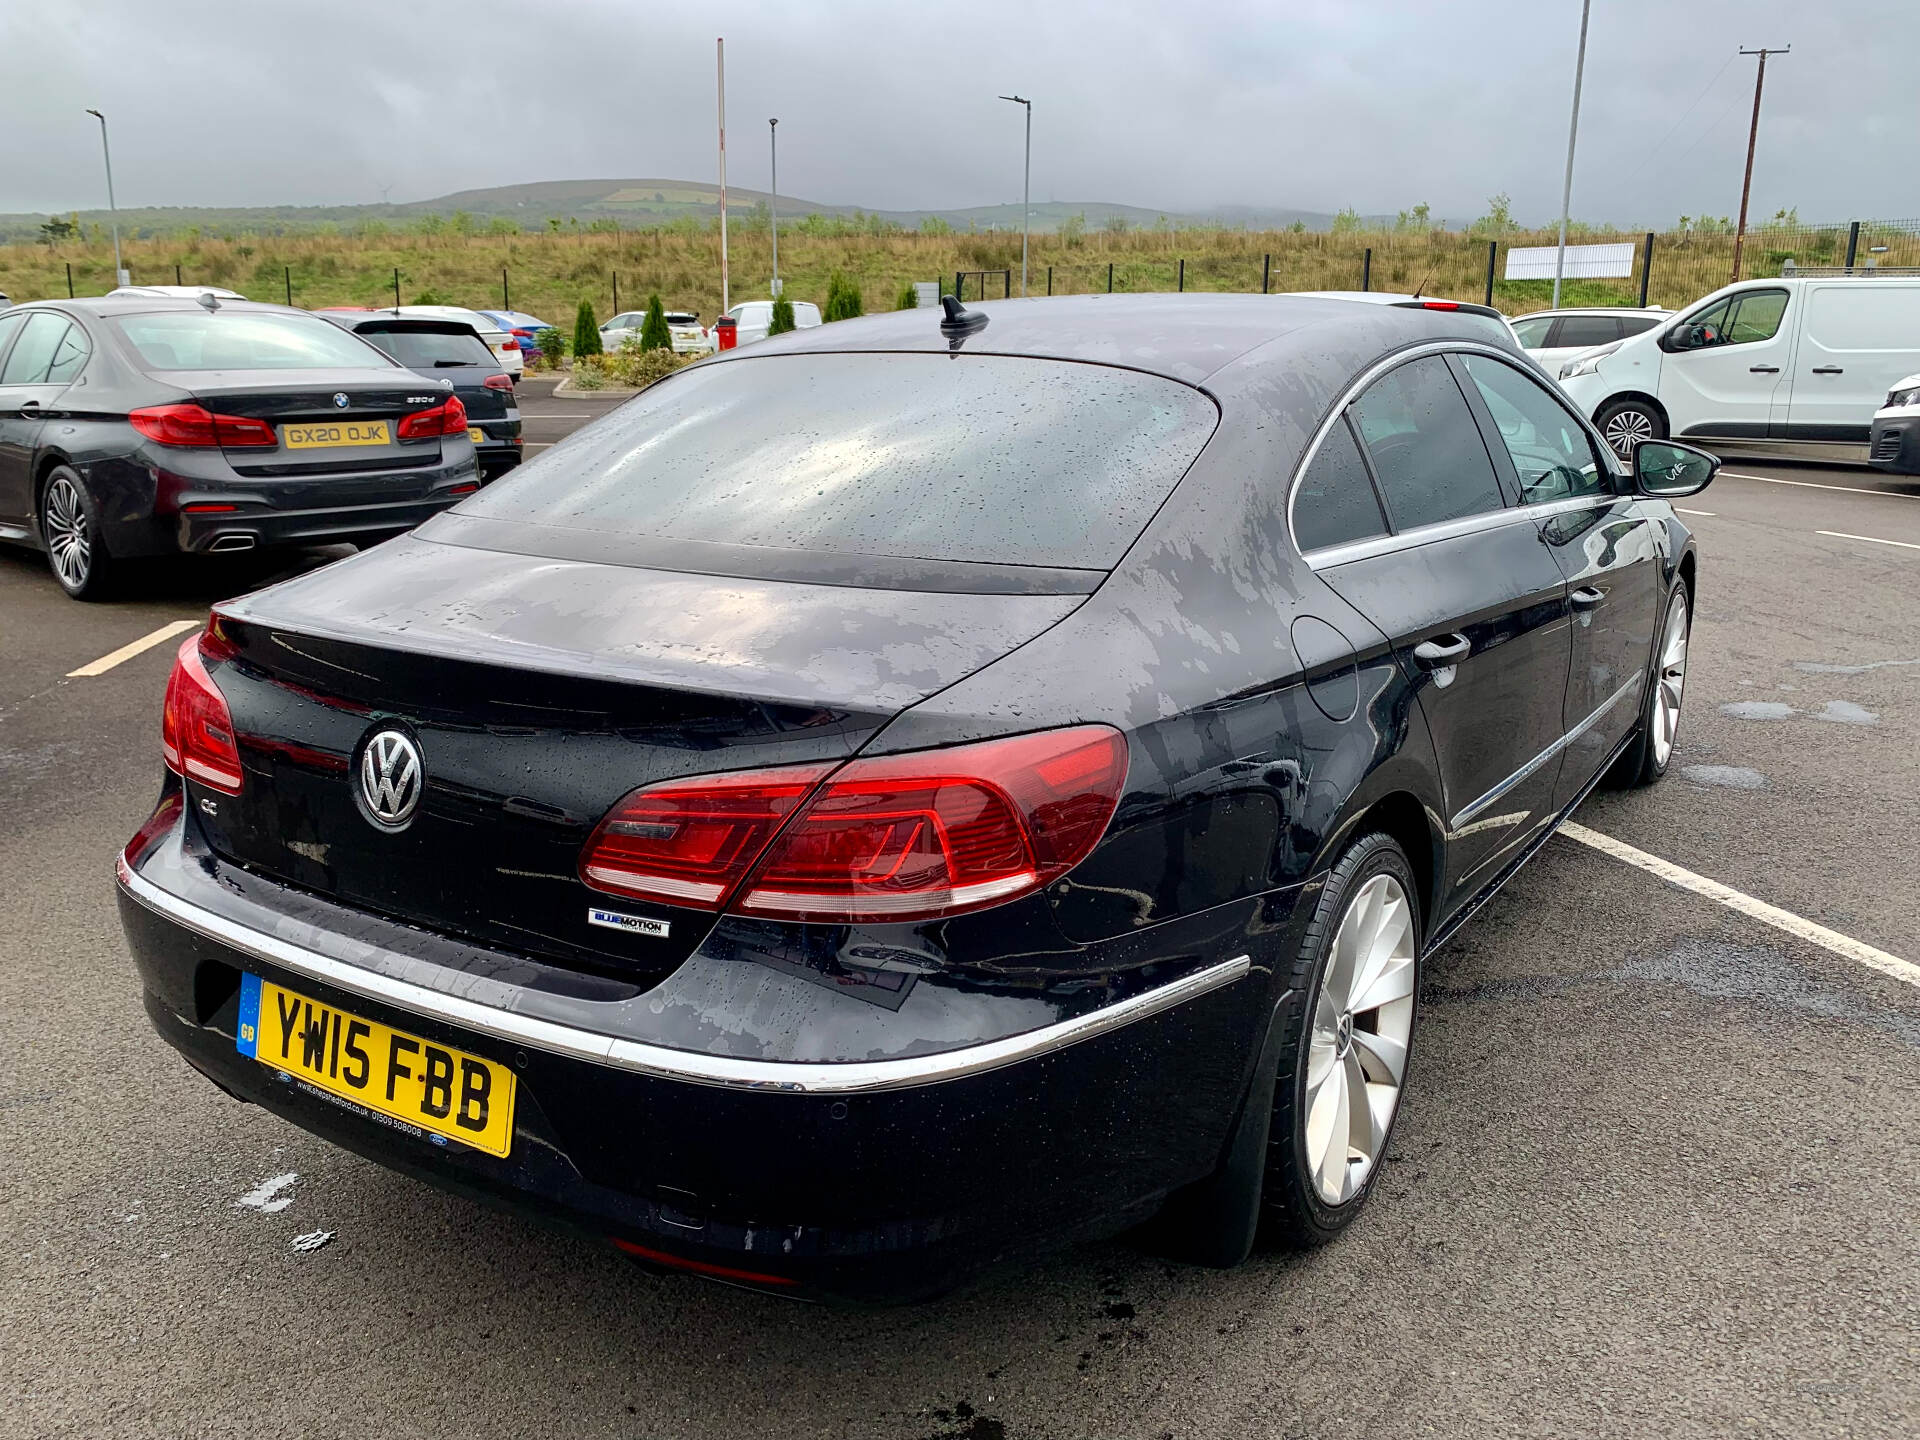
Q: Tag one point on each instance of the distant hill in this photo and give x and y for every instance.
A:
(636, 204)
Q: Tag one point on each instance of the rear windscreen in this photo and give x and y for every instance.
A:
(988, 458)
(244, 340)
(428, 350)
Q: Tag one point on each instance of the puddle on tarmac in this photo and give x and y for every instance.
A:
(1814, 667)
(1731, 777)
(1845, 712)
(1757, 710)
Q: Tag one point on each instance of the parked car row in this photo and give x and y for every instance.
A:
(1803, 367)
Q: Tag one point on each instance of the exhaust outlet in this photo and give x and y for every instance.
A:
(229, 544)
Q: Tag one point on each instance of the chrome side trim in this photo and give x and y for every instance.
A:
(1406, 539)
(1506, 786)
(659, 1061)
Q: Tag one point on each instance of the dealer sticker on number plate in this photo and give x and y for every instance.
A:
(444, 1092)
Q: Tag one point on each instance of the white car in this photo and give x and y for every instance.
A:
(1553, 337)
(1793, 367)
(1894, 443)
(687, 334)
(752, 317)
(176, 292)
(505, 348)
(1495, 322)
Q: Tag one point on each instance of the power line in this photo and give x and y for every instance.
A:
(1661, 145)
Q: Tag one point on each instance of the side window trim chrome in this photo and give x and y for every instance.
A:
(1331, 555)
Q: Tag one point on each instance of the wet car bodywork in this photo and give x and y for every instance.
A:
(875, 1110)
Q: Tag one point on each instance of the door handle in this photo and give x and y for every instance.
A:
(29, 404)
(1763, 369)
(1828, 370)
(1586, 597)
(1434, 654)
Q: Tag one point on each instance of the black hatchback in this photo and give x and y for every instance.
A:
(910, 793)
(451, 351)
(141, 426)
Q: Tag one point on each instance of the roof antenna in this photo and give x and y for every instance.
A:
(209, 300)
(960, 320)
(1421, 287)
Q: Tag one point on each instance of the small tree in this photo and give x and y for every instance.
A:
(586, 331)
(782, 320)
(908, 298)
(552, 346)
(654, 334)
(843, 299)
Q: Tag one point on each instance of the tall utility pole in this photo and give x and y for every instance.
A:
(1753, 136)
(1573, 130)
(1026, 191)
(773, 143)
(720, 53)
(113, 212)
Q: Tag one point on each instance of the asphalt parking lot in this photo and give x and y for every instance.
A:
(1655, 1175)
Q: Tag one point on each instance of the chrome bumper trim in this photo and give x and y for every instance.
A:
(659, 1061)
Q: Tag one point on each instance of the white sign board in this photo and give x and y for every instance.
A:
(1584, 262)
(926, 294)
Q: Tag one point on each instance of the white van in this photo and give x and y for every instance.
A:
(1793, 367)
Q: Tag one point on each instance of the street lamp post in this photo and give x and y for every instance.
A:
(773, 144)
(1026, 190)
(113, 213)
(1573, 130)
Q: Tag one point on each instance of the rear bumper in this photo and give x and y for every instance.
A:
(877, 1181)
(1894, 445)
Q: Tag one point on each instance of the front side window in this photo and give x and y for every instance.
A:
(9, 325)
(1426, 447)
(1742, 319)
(1335, 503)
(243, 340)
(33, 353)
(1551, 452)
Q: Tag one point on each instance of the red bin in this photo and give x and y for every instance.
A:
(726, 332)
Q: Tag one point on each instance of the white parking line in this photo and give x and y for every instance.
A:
(1708, 513)
(537, 444)
(1795, 925)
(1870, 539)
(133, 648)
(543, 415)
(1816, 485)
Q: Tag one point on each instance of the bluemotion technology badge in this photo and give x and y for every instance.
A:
(632, 924)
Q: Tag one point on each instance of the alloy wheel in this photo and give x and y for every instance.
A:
(64, 527)
(1627, 428)
(1362, 1022)
(1672, 680)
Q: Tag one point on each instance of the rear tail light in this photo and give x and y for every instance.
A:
(894, 837)
(509, 344)
(499, 382)
(196, 729)
(447, 418)
(196, 427)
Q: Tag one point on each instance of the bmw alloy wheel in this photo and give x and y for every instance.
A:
(64, 527)
(1362, 1023)
(1626, 428)
(1672, 679)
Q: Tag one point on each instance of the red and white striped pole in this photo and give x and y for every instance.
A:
(720, 48)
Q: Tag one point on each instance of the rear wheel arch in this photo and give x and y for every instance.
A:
(1402, 816)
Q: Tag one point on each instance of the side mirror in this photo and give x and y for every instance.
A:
(1670, 470)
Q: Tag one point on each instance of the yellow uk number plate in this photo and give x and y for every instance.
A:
(476, 434)
(336, 432)
(430, 1089)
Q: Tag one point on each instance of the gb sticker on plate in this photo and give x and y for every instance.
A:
(632, 924)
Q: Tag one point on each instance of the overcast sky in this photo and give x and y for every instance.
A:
(1310, 104)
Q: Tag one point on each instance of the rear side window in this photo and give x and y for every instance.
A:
(1425, 446)
(33, 352)
(431, 350)
(242, 340)
(69, 356)
(1335, 503)
(990, 458)
(1638, 324)
(1532, 334)
(1586, 331)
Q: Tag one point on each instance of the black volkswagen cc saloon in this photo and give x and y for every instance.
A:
(140, 425)
(920, 791)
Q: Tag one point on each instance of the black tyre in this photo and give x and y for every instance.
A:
(1626, 423)
(1647, 758)
(1343, 1059)
(70, 529)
